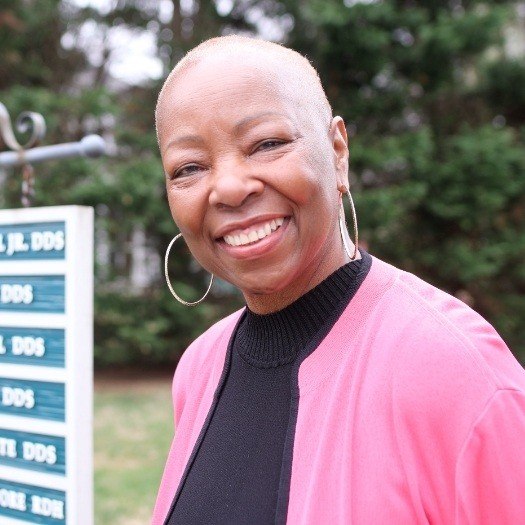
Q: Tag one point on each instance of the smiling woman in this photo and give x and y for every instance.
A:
(347, 391)
(234, 168)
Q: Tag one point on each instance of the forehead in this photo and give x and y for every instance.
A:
(226, 90)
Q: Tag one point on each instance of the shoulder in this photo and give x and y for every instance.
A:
(200, 353)
(458, 334)
(443, 368)
(443, 355)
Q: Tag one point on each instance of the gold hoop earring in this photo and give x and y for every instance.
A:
(342, 225)
(166, 275)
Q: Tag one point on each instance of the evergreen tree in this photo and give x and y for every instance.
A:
(435, 109)
(56, 60)
(435, 112)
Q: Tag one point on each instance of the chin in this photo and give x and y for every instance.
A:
(266, 284)
(259, 287)
(269, 278)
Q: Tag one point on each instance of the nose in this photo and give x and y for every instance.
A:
(233, 182)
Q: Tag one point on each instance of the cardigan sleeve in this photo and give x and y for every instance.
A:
(490, 472)
(168, 484)
(178, 389)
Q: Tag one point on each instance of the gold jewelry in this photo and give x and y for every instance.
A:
(342, 224)
(166, 275)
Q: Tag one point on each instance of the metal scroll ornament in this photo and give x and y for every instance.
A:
(27, 122)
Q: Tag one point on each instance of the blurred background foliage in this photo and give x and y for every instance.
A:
(433, 94)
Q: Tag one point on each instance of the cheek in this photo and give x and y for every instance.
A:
(316, 197)
(189, 222)
(318, 179)
(297, 180)
(186, 209)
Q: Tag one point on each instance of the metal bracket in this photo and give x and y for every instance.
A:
(26, 155)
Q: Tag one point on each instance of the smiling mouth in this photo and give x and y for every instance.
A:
(253, 234)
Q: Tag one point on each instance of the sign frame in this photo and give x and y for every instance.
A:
(76, 375)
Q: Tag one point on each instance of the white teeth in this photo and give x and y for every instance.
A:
(254, 235)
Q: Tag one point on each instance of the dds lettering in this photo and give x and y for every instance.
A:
(39, 453)
(28, 346)
(18, 397)
(16, 294)
(47, 241)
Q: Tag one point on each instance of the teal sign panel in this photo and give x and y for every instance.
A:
(32, 293)
(32, 346)
(35, 399)
(32, 504)
(33, 451)
(39, 241)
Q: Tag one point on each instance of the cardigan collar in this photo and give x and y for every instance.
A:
(272, 340)
(319, 365)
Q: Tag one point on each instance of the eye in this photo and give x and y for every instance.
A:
(186, 171)
(269, 144)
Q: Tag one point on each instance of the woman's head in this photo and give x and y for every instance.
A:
(249, 147)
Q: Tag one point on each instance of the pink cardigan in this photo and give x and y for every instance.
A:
(411, 410)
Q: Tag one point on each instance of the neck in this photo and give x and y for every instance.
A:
(272, 340)
(305, 280)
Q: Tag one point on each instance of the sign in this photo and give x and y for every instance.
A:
(46, 366)
(31, 504)
(32, 241)
(32, 346)
(32, 451)
(45, 293)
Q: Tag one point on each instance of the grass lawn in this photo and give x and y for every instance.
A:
(133, 429)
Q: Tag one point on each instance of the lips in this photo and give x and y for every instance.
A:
(254, 233)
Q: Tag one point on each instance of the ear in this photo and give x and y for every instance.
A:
(339, 140)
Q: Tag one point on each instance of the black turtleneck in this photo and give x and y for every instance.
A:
(240, 469)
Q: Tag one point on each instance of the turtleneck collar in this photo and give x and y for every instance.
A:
(272, 340)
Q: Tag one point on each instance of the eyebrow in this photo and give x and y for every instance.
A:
(237, 129)
(185, 139)
(248, 120)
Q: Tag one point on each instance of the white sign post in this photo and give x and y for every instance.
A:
(46, 366)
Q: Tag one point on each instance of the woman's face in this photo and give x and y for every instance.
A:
(252, 180)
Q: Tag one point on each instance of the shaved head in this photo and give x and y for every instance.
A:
(281, 65)
(247, 139)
